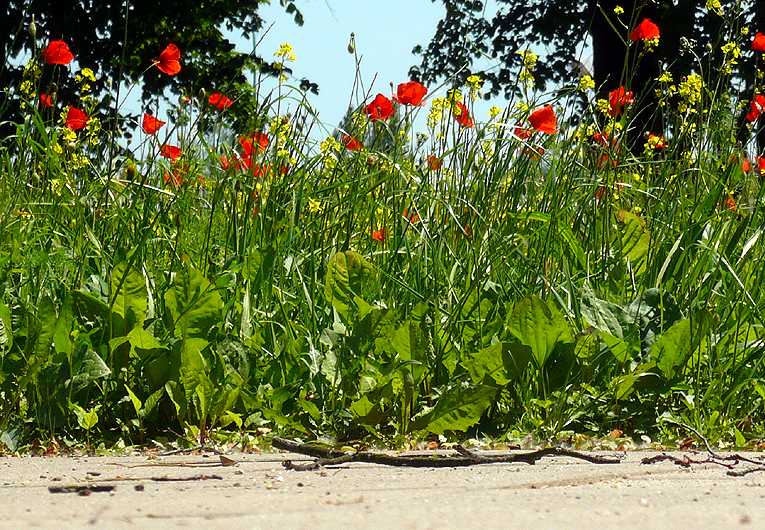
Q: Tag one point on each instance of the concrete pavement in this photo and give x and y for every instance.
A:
(259, 494)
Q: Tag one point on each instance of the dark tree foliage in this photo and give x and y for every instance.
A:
(465, 34)
(119, 40)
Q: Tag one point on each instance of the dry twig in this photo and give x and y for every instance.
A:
(464, 457)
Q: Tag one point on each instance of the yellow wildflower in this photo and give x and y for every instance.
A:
(286, 52)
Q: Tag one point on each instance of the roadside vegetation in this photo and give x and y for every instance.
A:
(532, 272)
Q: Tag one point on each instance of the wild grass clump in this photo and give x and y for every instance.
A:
(536, 271)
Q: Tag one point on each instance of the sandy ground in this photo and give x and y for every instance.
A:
(258, 493)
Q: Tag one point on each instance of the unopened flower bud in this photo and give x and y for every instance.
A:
(33, 28)
(352, 44)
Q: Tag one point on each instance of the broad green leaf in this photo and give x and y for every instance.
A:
(95, 316)
(253, 262)
(194, 304)
(347, 272)
(137, 405)
(603, 315)
(6, 331)
(653, 312)
(625, 384)
(619, 348)
(459, 409)
(152, 401)
(177, 395)
(64, 323)
(635, 241)
(142, 339)
(193, 365)
(504, 362)
(674, 348)
(90, 367)
(87, 419)
(205, 392)
(130, 298)
(740, 440)
(46, 313)
(537, 325)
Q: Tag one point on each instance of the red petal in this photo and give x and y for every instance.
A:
(544, 120)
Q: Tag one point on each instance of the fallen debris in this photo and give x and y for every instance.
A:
(730, 461)
(462, 457)
(82, 489)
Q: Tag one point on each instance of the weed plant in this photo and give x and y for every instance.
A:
(528, 273)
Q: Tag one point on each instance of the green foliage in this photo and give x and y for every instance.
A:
(308, 288)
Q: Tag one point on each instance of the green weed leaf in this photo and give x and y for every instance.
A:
(539, 326)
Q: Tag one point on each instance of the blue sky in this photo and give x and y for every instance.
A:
(385, 33)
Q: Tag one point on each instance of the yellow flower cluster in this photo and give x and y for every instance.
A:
(715, 6)
(690, 93)
(84, 78)
(529, 61)
(585, 83)
(329, 145)
(286, 53)
(474, 83)
(666, 89)
(732, 53)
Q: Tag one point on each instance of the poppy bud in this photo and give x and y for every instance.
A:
(352, 44)
(33, 28)
(201, 94)
(183, 100)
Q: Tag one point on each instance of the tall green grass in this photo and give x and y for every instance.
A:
(547, 285)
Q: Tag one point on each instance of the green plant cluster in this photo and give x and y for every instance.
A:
(492, 280)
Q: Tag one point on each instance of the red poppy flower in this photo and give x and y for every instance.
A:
(410, 93)
(522, 133)
(758, 104)
(434, 163)
(730, 204)
(746, 165)
(462, 115)
(57, 52)
(219, 101)
(534, 154)
(758, 44)
(659, 141)
(544, 120)
(379, 235)
(380, 109)
(601, 138)
(150, 124)
(351, 143)
(171, 151)
(227, 163)
(760, 165)
(76, 119)
(169, 60)
(174, 180)
(605, 159)
(254, 144)
(46, 100)
(645, 30)
(411, 218)
(617, 99)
